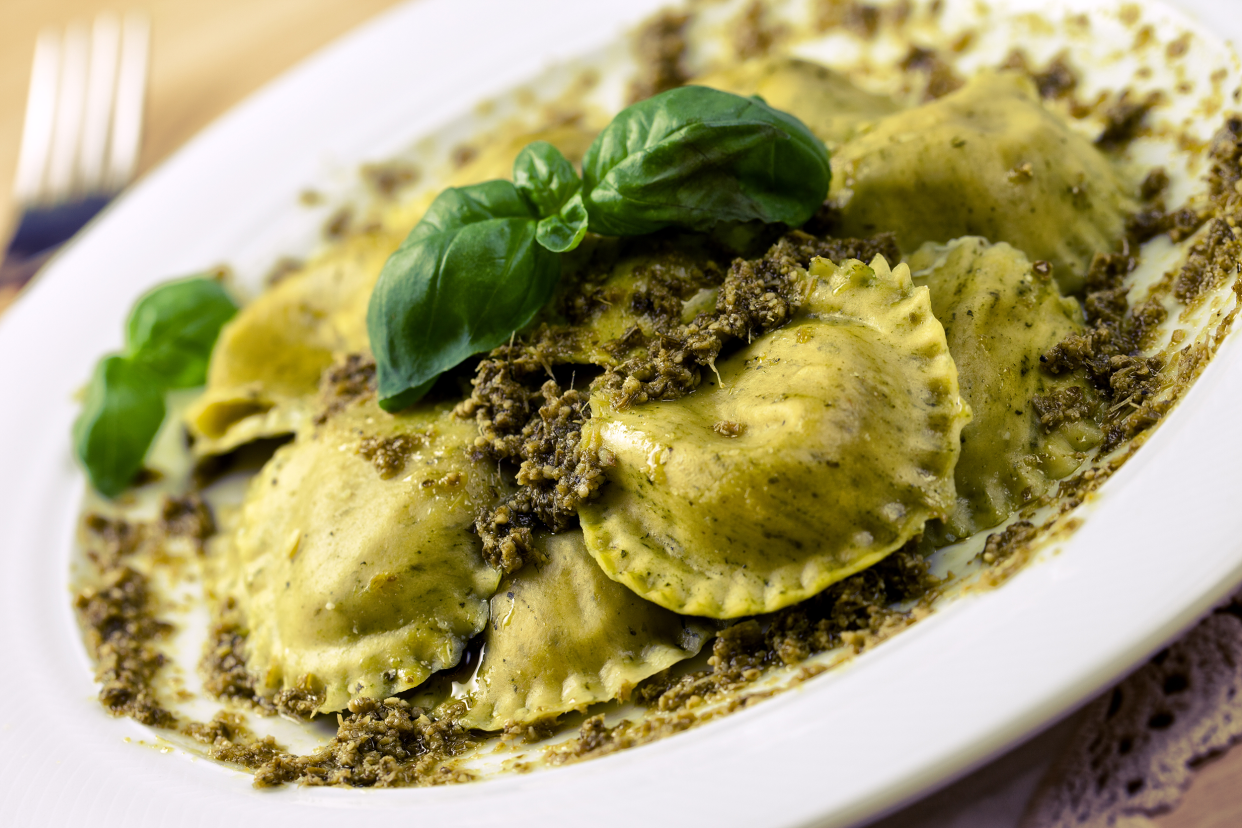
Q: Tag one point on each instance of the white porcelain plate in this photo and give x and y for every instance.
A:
(1162, 545)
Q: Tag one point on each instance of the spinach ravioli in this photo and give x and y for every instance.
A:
(1000, 317)
(563, 636)
(266, 366)
(353, 560)
(826, 101)
(719, 416)
(988, 160)
(820, 449)
(634, 296)
(743, 429)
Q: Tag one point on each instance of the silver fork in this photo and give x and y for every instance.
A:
(81, 135)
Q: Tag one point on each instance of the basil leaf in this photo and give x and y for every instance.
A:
(545, 177)
(547, 180)
(468, 275)
(692, 157)
(458, 207)
(564, 231)
(483, 261)
(120, 416)
(169, 337)
(172, 329)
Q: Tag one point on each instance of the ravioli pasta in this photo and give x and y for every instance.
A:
(988, 160)
(563, 636)
(637, 294)
(360, 575)
(831, 106)
(825, 446)
(266, 366)
(894, 406)
(1000, 317)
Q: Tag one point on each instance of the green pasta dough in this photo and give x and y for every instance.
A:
(823, 447)
(1000, 317)
(353, 559)
(988, 160)
(563, 636)
(829, 104)
(266, 365)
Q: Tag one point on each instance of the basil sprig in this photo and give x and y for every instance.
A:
(693, 157)
(168, 342)
(468, 275)
(172, 329)
(549, 182)
(483, 261)
(120, 416)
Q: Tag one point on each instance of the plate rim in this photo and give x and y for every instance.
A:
(70, 297)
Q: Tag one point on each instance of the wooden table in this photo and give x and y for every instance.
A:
(209, 54)
(206, 55)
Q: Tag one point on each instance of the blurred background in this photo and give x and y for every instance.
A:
(206, 55)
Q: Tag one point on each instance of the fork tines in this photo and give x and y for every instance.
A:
(83, 126)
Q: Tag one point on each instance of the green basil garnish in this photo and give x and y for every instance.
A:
(468, 275)
(172, 329)
(564, 231)
(545, 177)
(693, 157)
(120, 416)
(169, 337)
(483, 261)
(549, 182)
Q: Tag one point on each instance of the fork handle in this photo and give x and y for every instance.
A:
(42, 229)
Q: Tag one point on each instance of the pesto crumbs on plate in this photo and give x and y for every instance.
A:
(720, 457)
